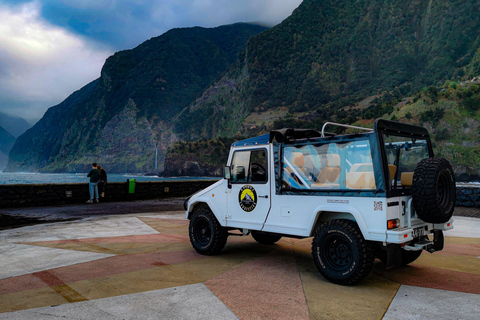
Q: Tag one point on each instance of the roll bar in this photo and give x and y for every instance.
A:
(342, 125)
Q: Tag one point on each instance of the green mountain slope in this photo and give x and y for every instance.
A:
(330, 54)
(119, 119)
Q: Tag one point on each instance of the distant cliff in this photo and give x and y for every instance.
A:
(122, 118)
(197, 158)
(14, 125)
(6, 143)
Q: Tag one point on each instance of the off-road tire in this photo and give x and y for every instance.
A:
(434, 190)
(207, 236)
(340, 252)
(265, 238)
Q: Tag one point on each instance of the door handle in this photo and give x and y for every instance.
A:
(266, 196)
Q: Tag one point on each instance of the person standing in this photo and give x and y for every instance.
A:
(94, 176)
(102, 182)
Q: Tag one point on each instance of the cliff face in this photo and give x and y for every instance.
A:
(120, 119)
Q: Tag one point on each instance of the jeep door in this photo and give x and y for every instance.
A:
(248, 196)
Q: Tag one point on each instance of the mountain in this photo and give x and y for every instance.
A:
(122, 118)
(346, 61)
(14, 125)
(6, 143)
(352, 61)
(332, 54)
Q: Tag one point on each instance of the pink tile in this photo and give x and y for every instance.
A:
(266, 288)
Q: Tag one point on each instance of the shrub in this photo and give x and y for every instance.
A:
(433, 116)
(442, 134)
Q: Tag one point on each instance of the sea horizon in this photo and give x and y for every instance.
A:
(80, 177)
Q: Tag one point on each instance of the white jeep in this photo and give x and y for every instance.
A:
(376, 193)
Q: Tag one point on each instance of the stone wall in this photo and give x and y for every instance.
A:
(36, 195)
(468, 195)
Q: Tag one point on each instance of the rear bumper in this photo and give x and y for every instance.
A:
(404, 235)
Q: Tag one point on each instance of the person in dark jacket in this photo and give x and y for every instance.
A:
(102, 182)
(94, 176)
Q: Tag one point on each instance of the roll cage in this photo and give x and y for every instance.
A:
(390, 143)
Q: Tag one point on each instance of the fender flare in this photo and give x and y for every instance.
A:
(210, 205)
(343, 212)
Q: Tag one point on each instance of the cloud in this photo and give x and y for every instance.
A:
(50, 48)
(41, 64)
(269, 12)
(124, 24)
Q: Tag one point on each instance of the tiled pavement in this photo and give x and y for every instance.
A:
(142, 266)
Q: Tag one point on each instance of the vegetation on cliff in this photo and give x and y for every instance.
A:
(330, 54)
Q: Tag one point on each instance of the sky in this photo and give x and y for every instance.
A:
(51, 48)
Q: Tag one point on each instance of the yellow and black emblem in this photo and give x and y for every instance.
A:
(247, 198)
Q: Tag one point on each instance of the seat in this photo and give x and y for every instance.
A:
(406, 179)
(328, 176)
(361, 176)
(299, 160)
(393, 169)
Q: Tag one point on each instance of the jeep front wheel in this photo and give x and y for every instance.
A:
(206, 234)
(265, 238)
(340, 252)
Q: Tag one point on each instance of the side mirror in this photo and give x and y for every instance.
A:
(226, 173)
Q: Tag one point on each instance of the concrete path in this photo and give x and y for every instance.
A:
(142, 266)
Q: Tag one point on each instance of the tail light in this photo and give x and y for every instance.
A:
(393, 223)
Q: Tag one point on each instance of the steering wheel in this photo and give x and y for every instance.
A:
(259, 173)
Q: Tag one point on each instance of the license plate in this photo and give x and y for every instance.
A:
(418, 232)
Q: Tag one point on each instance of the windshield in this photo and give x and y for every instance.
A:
(403, 155)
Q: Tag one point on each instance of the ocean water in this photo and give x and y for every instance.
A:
(36, 178)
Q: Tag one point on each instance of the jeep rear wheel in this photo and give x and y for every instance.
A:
(340, 252)
(406, 257)
(265, 238)
(410, 256)
(434, 190)
(206, 234)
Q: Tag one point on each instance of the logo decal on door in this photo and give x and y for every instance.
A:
(247, 198)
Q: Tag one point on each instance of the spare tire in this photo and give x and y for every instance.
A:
(434, 190)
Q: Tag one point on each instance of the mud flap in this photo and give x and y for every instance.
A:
(394, 256)
(438, 240)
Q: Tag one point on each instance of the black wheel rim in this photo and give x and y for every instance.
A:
(202, 231)
(338, 252)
